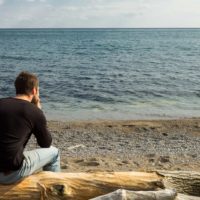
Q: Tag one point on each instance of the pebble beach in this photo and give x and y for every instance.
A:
(131, 145)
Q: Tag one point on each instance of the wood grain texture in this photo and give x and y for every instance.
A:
(84, 186)
(78, 186)
(141, 195)
(186, 182)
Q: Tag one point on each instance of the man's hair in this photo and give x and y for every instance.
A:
(25, 82)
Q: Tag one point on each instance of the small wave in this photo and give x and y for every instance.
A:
(94, 107)
(146, 93)
(81, 53)
(198, 94)
(20, 58)
(84, 78)
(93, 97)
(184, 48)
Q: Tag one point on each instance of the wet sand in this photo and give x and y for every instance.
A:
(139, 145)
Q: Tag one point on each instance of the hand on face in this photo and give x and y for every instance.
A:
(36, 98)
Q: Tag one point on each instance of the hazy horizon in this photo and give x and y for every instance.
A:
(102, 28)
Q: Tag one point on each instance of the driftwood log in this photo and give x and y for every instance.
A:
(186, 182)
(145, 195)
(78, 186)
(141, 195)
(84, 186)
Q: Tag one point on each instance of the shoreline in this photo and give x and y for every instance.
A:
(127, 145)
(123, 120)
(115, 116)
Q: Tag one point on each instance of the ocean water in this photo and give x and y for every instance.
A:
(107, 73)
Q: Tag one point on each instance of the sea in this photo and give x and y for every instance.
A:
(106, 74)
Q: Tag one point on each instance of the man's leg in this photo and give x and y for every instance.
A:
(46, 158)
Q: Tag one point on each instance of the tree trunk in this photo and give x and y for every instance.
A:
(84, 186)
(78, 186)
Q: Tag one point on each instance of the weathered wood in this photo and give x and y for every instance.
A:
(186, 197)
(141, 195)
(78, 186)
(185, 182)
(83, 186)
(145, 195)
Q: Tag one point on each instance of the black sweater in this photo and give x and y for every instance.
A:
(18, 120)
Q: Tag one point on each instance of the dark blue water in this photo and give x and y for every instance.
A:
(107, 73)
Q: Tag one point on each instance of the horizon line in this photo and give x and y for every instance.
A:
(100, 28)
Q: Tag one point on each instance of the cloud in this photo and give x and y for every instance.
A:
(31, 1)
(100, 13)
(1, 2)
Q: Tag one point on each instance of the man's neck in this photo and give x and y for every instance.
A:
(24, 97)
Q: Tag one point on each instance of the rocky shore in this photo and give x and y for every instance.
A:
(139, 145)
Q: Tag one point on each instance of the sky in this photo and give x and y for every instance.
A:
(99, 13)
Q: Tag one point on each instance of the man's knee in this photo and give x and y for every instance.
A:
(55, 151)
(54, 164)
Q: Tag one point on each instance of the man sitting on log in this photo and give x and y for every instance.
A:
(20, 116)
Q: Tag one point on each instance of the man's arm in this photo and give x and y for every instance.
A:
(41, 132)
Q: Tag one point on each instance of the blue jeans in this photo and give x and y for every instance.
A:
(46, 158)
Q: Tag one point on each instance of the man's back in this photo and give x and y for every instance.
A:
(18, 119)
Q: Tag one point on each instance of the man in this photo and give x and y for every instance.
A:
(21, 116)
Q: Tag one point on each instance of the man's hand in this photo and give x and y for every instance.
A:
(36, 101)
